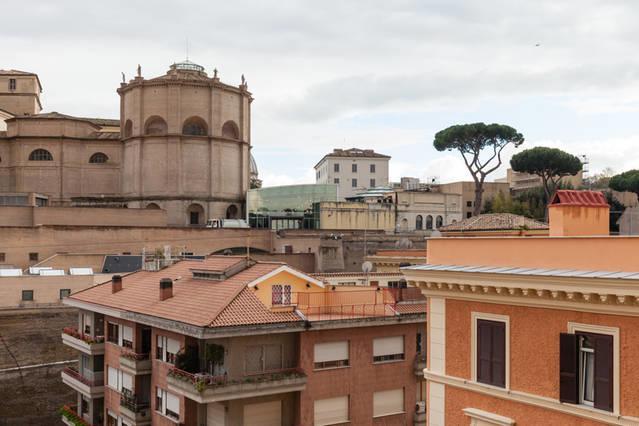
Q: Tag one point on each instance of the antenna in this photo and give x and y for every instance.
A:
(187, 48)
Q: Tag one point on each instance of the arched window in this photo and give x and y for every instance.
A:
(155, 126)
(403, 225)
(195, 214)
(231, 212)
(439, 222)
(429, 222)
(230, 130)
(152, 206)
(98, 158)
(419, 222)
(195, 126)
(40, 155)
(128, 129)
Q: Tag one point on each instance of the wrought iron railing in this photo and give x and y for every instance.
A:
(130, 401)
(73, 372)
(202, 381)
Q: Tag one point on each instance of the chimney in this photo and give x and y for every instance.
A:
(578, 213)
(116, 283)
(166, 288)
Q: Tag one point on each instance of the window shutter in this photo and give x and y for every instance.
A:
(331, 351)
(603, 372)
(172, 346)
(388, 346)
(127, 382)
(484, 348)
(172, 403)
(388, 402)
(127, 333)
(113, 378)
(331, 411)
(499, 354)
(568, 366)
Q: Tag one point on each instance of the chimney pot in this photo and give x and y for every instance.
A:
(116, 283)
(166, 288)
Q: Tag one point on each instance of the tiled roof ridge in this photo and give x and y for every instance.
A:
(504, 221)
(573, 197)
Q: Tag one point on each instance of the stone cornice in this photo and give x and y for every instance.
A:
(181, 82)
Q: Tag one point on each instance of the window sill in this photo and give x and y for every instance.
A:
(389, 414)
(390, 361)
(486, 385)
(332, 368)
(159, 413)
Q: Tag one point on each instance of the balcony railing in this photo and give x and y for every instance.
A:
(70, 416)
(135, 363)
(73, 332)
(130, 401)
(73, 372)
(201, 381)
(370, 302)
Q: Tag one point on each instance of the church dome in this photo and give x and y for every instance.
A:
(187, 66)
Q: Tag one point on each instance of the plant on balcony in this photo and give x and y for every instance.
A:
(68, 413)
(84, 337)
(187, 359)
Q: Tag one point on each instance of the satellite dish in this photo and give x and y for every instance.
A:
(367, 267)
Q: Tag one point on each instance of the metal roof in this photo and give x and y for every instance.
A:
(513, 270)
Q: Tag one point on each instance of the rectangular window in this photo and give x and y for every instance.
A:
(372, 182)
(331, 355)
(336, 168)
(491, 352)
(64, 292)
(354, 183)
(386, 403)
(33, 257)
(330, 411)
(469, 215)
(281, 294)
(336, 181)
(3, 257)
(388, 349)
(354, 168)
(586, 369)
(12, 84)
(167, 349)
(113, 334)
(127, 337)
(27, 295)
(372, 168)
(167, 403)
(469, 203)
(262, 358)
(119, 381)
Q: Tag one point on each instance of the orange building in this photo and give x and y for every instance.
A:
(226, 341)
(534, 330)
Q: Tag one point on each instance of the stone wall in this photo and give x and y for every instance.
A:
(32, 394)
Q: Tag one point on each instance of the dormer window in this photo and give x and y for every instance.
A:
(281, 295)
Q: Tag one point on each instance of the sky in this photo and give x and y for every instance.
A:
(385, 75)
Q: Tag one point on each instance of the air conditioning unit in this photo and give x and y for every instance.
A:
(420, 407)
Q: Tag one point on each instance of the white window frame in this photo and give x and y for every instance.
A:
(165, 347)
(286, 291)
(574, 328)
(475, 316)
(119, 379)
(164, 395)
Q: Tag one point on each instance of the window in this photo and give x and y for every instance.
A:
(167, 403)
(587, 370)
(388, 349)
(336, 167)
(113, 332)
(119, 380)
(386, 403)
(194, 126)
(167, 349)
(429, 222)
(40, 155)
(439, 222)
(3, 257)
(372, 168)
(372, 183)
(336, 181)
(419, 222)
(281, 294)
(230, 130)
(64, 292)
(469, 215)
(127, 337)
(331, 355)
(27, 295)
(469, 203)
(128, 129)
(98, 158)
(330, 411)
(354, 183)
(354, 168)
(490, 366)
(33, 257)
(263, 358)
(12, 84)
(155, 126)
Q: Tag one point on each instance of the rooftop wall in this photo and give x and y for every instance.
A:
(80, 216)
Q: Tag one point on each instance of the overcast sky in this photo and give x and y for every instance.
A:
(374, 74)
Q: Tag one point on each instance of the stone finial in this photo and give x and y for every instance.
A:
(123, 78)
(139, 71)
(243, 80)
(214, 72)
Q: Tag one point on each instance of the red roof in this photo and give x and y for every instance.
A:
(568, 197)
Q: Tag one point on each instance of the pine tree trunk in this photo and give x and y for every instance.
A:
(479, 189)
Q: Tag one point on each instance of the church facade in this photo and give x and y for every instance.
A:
(182, 144)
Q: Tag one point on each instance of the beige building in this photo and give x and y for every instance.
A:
(427, 211)
(353, 170)
(181, 144)
(519, 181)
(356, 216)
(467, 191)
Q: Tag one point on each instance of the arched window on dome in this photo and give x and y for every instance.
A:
(232, 212)
(195, 214)
(152, 206)
(230, 130)
(439, 222)
(155, 125)
(419, 222)
(40, 155)
(195, 126)
(429, 222)
(128, 129)
(98, 158)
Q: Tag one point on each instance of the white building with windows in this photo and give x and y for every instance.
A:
(353, 170)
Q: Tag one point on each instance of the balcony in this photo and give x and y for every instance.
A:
(86, 386)
(135, 363)
(70, 416)
(346, 304)
(420, 364)
(205, 388)
(139, 413)
(90, 345)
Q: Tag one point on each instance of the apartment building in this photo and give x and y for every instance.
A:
(226, 341)
(537, 329)
(353, 170)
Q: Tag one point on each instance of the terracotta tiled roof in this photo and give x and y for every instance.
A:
(195, 301)
(411, 308)
(355, 274)
(494, 222)
(54, 115)
(246, 309)
(566, 197)
(103, 122)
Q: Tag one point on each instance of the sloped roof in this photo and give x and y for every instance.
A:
(204, 303)
(353, 152)
(22, 73)
(494, 222)
(54, 115)
(569, 197)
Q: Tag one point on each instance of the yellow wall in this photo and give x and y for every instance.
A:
(345, 215)
(298, 285)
